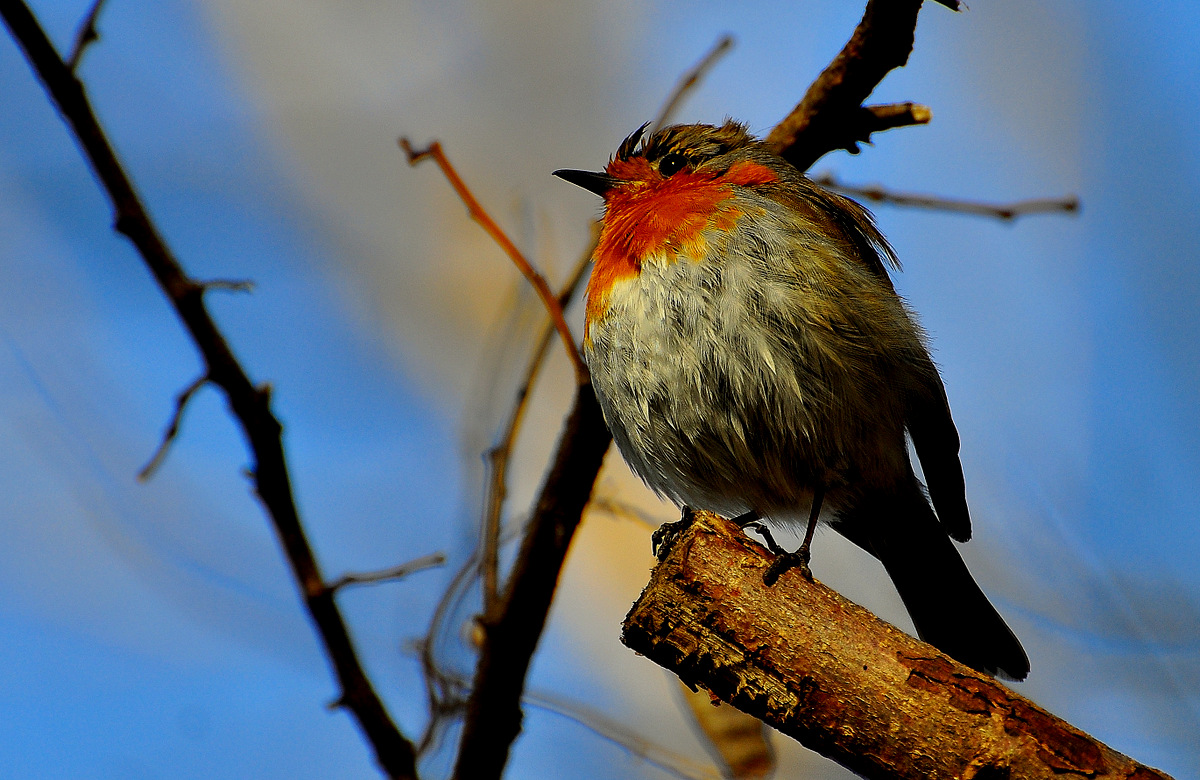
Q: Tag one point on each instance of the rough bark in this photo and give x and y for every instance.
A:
(827, 672)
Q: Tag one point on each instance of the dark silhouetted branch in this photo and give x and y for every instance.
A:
(511, 633)
(250, 404)
(499, 455)
(830, 114)
(828, 673)
(86, 36)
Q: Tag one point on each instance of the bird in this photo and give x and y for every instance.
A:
(752, 358)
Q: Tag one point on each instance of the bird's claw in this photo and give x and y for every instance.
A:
(664, 538)
(784, 563)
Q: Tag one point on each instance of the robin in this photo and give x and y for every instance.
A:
(752, 358)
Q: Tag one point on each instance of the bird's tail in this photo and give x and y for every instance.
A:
(946, 605)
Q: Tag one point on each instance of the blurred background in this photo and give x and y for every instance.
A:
(152, 630)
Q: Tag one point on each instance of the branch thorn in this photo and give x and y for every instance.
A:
(172, 429)
(86, 36)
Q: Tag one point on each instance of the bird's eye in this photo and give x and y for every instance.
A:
(671, 164)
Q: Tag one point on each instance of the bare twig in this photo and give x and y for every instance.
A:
(86, 35)
(1004, 211)
(251, 405)
(620, 734)
(620, 509)
(478, 213)
(860, 124)
(229, 285)
(172, 429)
(499, 455)
(431, 561)
(826, 118)
(690, 79)
(511, 632)
(841, 681)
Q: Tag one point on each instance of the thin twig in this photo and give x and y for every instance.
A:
(1004, 211)
(511, 633)
(621, 509)
(500, 454)
(86, 35)
(229, 285)
(391, 574)
(477, 213)
(251, 405)
(690, 79)
(172, 431)
(618, 733)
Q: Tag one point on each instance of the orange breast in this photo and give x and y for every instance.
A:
(648, 216)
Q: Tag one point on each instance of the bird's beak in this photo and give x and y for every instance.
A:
(599, 183)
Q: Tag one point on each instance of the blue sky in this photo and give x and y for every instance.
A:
(152, 630)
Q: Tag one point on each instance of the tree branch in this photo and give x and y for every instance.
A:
(830, 116)
(251, 405)
(172, 431)
(477, 212)
(511, 633)
(1004, 211)
(498, 457)
(85, 36)
(828, 673)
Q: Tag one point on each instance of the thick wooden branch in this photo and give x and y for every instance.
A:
(830, 114)
(250, 404)
(512, 632)
(841, 681)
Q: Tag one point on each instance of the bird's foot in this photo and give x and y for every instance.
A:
(667, 534)
(785, 562)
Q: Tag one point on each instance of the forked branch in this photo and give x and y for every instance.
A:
(829, 116)
(250, 404)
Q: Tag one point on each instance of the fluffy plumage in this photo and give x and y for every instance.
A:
(749, 351)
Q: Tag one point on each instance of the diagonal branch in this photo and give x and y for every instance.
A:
(391, 574)
(251, 405)
(828, 673)
(498, 456)
(481, 216)
(824, 119)
(172, 431)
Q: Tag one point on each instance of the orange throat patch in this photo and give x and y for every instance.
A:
(649, 217)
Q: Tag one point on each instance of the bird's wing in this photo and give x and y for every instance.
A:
(936, 441)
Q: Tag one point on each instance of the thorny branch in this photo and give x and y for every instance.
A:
(481, 216)
(86, 36)
(250, 404)
(1004, 211)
